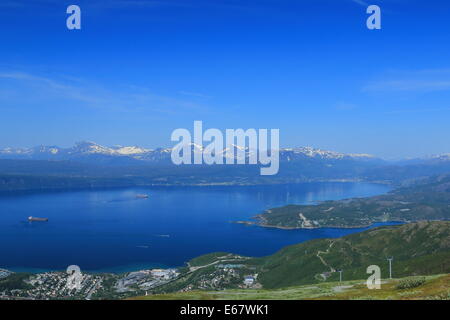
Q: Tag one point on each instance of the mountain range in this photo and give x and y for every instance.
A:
(89, 165)
(86, 149)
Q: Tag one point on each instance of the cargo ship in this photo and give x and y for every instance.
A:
(37, 219)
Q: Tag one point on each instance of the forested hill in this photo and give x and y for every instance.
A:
(418, 249)
(428, 199)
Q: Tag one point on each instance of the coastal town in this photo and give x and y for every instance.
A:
(56, 285)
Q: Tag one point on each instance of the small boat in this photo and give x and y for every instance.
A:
(141, 196)
(37, 219)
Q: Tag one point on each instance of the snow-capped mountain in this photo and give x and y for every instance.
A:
(309, 152)
(90, 150)
(87, 147)
(85, 150)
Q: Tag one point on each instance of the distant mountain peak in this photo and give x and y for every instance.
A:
(89, 147)
(130, 150)
(326, 154)
(442, 157)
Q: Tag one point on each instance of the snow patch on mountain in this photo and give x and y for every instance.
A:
(130, 150)
(324, 154)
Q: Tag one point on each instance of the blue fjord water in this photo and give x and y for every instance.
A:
(111, 230)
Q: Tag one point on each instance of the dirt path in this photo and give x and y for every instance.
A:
(323, 260)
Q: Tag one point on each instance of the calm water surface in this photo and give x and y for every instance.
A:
(111, 230)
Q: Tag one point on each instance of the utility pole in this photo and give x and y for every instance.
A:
(390, 266)
(340, 276)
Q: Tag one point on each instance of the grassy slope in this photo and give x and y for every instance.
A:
(206, 259)
(435, 287)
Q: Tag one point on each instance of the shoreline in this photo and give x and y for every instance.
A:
(51, 189)
(111, 270)
(135, 268)
(258, 224)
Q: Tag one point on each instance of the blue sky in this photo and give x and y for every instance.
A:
(140, 69)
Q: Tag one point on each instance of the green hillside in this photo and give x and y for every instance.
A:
(418, 249)
(421, 248)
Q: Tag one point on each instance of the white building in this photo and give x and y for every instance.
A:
(249, 280)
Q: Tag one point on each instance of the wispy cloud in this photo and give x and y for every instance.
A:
(417, 110)
(412, 81)
(408, 85)
(87, 94)
(98, 3)
(250, 7)
(361, 2)
(134, 4)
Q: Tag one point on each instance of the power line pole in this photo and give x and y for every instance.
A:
(390, 266)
